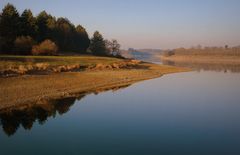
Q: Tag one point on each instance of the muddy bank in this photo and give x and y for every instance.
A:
(32, 89)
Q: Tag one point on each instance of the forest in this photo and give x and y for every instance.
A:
(44, 34)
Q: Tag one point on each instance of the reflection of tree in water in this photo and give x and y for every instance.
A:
(12, 119)
(234, 68)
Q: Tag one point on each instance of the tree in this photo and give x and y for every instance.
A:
(47, 47)
(113, 47)
(98, 46)
(23, 45)
(82, 39)
(65, 33)
(41, 22)
(28, 25)
(61, 31)
(51, 28)
(9, 28)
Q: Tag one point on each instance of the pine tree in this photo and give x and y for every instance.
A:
(28, 25)
(97, 45)
(82, 39)
(9, 28)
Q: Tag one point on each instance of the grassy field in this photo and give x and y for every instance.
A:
(14, 61)
(18, 65)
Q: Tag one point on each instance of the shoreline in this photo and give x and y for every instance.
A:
(33, 89)
(203, 59)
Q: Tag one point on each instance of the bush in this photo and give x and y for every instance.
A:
(47, 47)
(23, 45)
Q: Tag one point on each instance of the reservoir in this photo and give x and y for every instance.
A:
(195, 112)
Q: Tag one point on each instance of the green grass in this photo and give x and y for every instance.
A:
(15, 60)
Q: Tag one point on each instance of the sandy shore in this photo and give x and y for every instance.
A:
(32, 89)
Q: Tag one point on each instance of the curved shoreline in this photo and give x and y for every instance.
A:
(32, 89)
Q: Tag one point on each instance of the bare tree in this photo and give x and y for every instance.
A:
(113, 47)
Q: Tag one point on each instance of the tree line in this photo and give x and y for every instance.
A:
(25, 34)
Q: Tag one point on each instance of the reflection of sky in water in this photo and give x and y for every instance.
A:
(184, 113)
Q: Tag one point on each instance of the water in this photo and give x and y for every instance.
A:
(184, 113)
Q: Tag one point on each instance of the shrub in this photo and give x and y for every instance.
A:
(47, 47)
(23, 45)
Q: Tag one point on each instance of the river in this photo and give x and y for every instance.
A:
(196, 112)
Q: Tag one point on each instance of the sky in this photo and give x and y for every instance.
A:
(155, 24)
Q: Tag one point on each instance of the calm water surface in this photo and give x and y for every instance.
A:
(185, 113)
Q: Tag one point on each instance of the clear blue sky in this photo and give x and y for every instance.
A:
(149, 23)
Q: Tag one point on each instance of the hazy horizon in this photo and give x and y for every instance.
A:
(149, 23)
